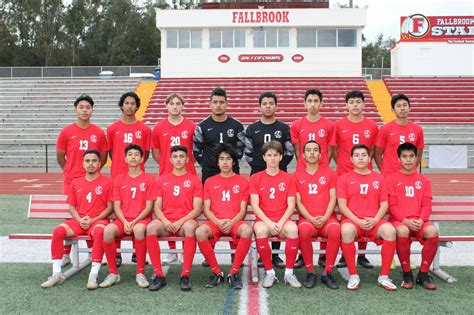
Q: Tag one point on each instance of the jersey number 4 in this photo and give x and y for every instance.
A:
(226, 195)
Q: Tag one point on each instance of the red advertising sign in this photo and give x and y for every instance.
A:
(264, 17)
(261, 58)
(451, 29)
(223, 58)
(297, 58)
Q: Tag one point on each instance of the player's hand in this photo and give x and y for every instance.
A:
(418, 224)
(411, 224)
(127, 227)
(85, 222)
(177, 226)
(314, 220)
(227, 225)
(361, 223)
(169, 227)
(274, 228)
(369, 223)
(320, 221)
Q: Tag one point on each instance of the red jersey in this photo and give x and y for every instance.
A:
(321, 131)
(410, 196)
(314, 189)
(166, 135)
(75, 140)
(273, 192)
(121, 134)
(348, 134)
(226, 195)
(133, 193)
(363, 193)
(90, 198)
(178, 193)
(390, 136)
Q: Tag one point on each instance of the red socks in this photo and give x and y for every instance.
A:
(140, 251)
(265, 252)
(306, 245)
(97, 247)
(153, 247)
(349, 252)
(333, 243)
(208, 253)
(428, 253)
(110, 250)
(291, 250)
(403, 252)
(388, 251)
(57, 242)
(189, 249)
(242, 249)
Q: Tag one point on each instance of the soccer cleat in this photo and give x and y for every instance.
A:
(353, 283)
(292, 281)
(299, 262)
(110, 280)
(134, 258)
(341, 263)
(260, 263)
(407, 282)
(205, 264)
(158, 283)
(170, 259)
(425, 280)
(92, 281)
(269, 280)
(278, 262)
(329, 281)
(310, 280)
(142, 281)
(322, 261)
(118, 261)
(66, 260)
(55, 279)
(215, 280)
(234, 281)
(184, 283)
(386, 283)
(364, 262)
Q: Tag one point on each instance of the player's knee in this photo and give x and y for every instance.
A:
(109, 233)
(260, 230)
(245, 231)
(139, 231)
(98, 233)
(189, 228)
(59, 232)
(334, 232)
(202, 233)
(431, 231)
(403, 231)
(152, 228)
(388, 232)
(291, 230)
(304, 231)
(348, 232)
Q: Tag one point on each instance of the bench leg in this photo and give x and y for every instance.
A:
(436, 268)
(254, 269)
(76, 265)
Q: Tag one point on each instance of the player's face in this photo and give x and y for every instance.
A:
(355, 106)
(408, 160)
(311, 153)
(268, 107)
(178, 159)
(175, 107)
(84, 110)
(272, 158)
(225, 162)
(218, 105)
(360, 158)
(133, 158)
(313, 104)
(91, 163)
(401, 109)
(129, 106)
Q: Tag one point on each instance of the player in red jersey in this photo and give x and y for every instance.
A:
(175, 130)
(133, 196)
(363, 201)
(410, 208)
(396, 132)
(272, 195)
(90, 207)
(349, 131)
(312, 127)
(316, 200)
(73, 141)
(178, 204)
(226, 197)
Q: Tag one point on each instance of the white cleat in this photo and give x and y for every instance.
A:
(142, 281)
(171, 259)
(386, 283)
(53, 280)
(269, 280)
(353, 283)
(110, 280)
(92, 281)
(292, 281)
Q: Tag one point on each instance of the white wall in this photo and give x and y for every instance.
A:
(420, 58)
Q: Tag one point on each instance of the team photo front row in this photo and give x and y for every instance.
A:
(295, 208)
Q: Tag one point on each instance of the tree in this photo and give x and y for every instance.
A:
(377, 52)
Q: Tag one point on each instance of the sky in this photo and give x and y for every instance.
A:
(383, 16)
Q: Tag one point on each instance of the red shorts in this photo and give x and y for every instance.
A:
(323, 230)
(369, 234)
(418, 235)
(174, 234)
(76, 227)
(217, 233)
(121, 229)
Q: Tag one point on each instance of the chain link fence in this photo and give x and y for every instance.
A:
(71, 72)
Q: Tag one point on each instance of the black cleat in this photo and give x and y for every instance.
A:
(364, 262)
(310, 280)
(205, 264)
(158, 283)
(299, 262)
(329, 281)
(407, 282)
(278, 262)
(341, 263)
(215, 280)
(184, 283)
(134, 258)
(425, 280)
(118, 261)
(234, 281)
(260, 263)
(322, 261)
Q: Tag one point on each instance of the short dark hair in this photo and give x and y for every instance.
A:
(272, 145)
(226, 148)
(219, 92)
(133, 146)
(354, 94)
(84, 97)
(360, 146)
(313, 92)
(177, 148)
(398, 97)
(269, 95)
(407, 146)
(129, 94)
(312, 141)
(92, 152)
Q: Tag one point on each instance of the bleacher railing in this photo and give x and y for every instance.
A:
(71, 72)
